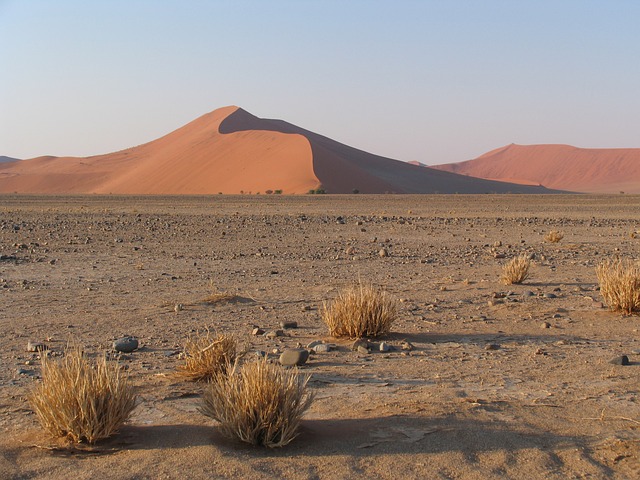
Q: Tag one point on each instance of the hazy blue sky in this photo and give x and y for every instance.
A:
(434, 81)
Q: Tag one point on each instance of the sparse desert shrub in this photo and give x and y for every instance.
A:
(262, 404)
(516, 270)
(620, 284)
(206, 356)
(554, 236)
(80, 400)
(360, 311)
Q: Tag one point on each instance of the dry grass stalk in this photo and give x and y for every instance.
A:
(360, 311)
(554, 236)
(620, 284)
(516, 270)
(206, 356)
(262, 404)
(80, 400)
(219, 297)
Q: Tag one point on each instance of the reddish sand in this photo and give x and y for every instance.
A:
(231, 151)
(563, 167)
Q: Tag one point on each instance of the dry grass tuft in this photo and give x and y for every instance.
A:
(206, 356)
(516, 270)
(80, 400)
(261, 405)
(620, 284)
(554, 236)
(219, 297)
(360, 311)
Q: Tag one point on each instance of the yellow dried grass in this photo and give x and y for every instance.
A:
(516, 270)
(262, 404)
(360, 311)
(206, 356)
(80, 400)
(554, 236)
(620, 284)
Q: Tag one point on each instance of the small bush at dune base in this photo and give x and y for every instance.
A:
(554, 236)
(620, 285)
(207, 355)
(516, 270)
(262, 404)
(360, 311)
(80, 400)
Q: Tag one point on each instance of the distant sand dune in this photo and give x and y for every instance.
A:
(231, 151)
(563, 167)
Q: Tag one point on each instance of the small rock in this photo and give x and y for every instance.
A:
(621, 360)
(260, 353)
(311, 345)
(178, 308)
(362, 349)
(361, 342)
(407, 346)
(549, 295)
(257, 331)
(24, 371)
(545, 325)
(294, 356)
(321, 348)
(385, 347)
(291, 324)
(383, 252)
(527, 293)
(492, 346)
(273, 334)
(36, 347)
(125, 344)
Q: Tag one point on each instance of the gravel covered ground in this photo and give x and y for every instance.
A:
(504, 381)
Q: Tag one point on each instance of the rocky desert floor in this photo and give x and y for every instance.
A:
(503, 381)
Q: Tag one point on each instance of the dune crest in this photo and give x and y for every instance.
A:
(563, 167)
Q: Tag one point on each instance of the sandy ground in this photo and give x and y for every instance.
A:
(545, 403)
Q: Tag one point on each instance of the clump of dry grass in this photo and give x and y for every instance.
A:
(262, 404)
(206, 356)
(516, 270)
(80, 400)
(360, 311)
(620, 284)
(554, 236)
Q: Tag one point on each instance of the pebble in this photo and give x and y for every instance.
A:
(621, 360)
(260, 353)
(527, 293)
(385, 347)
(549, 295)
(383, 252)
(294, 356)
(289, 324)
(362, 349)
(315, 343)
(273, 334)
(125, 344)
(36, 347)
(407, 346)
(361, 342)
(545, 325)
(179, 307)
(257, 331)
(322, 348)
(492, 346)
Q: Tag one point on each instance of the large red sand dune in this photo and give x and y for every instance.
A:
(232, 151)
(563, 167)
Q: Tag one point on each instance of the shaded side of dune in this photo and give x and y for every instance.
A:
(344, 169)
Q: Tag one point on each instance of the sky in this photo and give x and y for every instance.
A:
(435, 81)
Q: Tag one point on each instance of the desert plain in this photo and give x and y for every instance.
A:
(504, 381)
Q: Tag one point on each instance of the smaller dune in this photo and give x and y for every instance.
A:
(562, 167)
